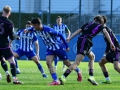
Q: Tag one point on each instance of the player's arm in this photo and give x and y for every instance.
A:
(68, 32)
(53, 32)
(11, 33)
(36, 45)
(75, 33)
(37, 48)
(109, 39)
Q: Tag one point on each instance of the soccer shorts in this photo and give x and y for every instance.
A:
(113, 56)
(83, 46)
(62, 54)
(29, 54)
(6, 53)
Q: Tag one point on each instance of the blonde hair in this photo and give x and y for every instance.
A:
(7, 9)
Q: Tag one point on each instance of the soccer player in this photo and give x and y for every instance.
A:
(84, 43)
(109, 55)
(26, 47)
(54, 47)
(28, 24)
(7, 30)
(61, 28)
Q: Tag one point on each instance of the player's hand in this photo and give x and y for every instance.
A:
(18, 38)
(25, 30)
(112, 47)
(67, 49)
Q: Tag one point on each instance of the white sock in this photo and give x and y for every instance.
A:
(107, 78)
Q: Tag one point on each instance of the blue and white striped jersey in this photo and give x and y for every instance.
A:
(27, 40)
(49, 37)
(61, 29)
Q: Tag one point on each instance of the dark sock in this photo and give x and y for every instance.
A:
(16, 63)
(106, 74)
(4, 65)
(13, 69)
(56, 61)
(67, 72)
(90, 72)
(40, 68)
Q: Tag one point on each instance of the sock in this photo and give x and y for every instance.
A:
(77, 70)
(13, 69)
(67, 72)
(16, 63)
(90, 72)
(106, 75)
(4, 65)
(56, 61)
(54, 76)
(40, 68)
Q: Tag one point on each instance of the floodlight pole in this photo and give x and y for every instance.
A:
(19, 19)
(79, 14)
(111, 14)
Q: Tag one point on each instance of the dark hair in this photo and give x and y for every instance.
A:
(99, 19)
(59, 17)
(28, 22)
(36, 21)
(105, 19)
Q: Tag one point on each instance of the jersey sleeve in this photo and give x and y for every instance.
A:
(53, 32)
(18, 33)
(11, 32)
(35, 38)
(66, 28)
(84, 26)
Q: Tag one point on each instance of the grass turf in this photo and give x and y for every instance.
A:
(33, 79)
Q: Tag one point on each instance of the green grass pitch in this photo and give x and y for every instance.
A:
(33, 80)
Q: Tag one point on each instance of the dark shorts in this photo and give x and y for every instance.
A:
(6, 53)
(29, 54)
(62, 54)
(83, 46)
(113, 56)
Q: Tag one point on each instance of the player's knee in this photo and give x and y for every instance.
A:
(49, 63)
(116, 67)
(67, 63)
(100, 63)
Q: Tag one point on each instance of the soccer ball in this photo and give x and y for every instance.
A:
(0, 76)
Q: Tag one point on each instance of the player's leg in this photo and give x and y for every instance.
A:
(91, 79)
(5, 68)
(7, 53)
(17, 68)
(64, 67)
(17, 54)
(116, 66)
(102, 63)
(49, 59)
(56, 62)
(33, 56)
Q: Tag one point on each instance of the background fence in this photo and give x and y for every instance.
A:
(74, 12)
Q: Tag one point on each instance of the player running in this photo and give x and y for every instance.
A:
(61, 28)
(54, 48)
(26, 48)
(110, 56)
(84, 43)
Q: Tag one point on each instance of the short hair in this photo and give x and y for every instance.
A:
(36, 21)
(7, 9)
(59, 17)
(99, 19)
(28, 22)
(105, 19)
